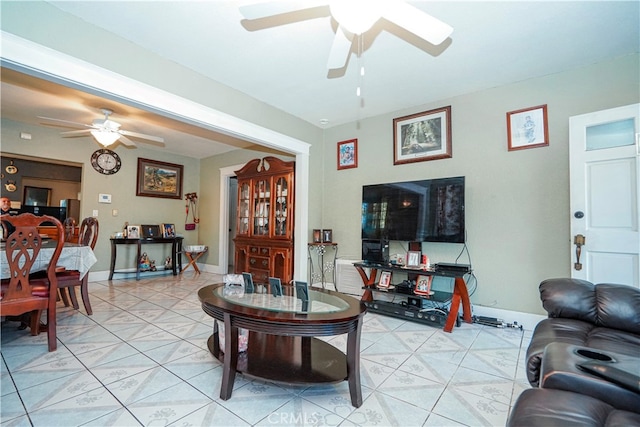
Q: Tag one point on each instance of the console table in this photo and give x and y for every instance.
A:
(176, 253)
(282, 344)
(459, 296)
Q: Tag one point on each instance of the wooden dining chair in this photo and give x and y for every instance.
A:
(68, 280)
(22, 293)
(69, 225)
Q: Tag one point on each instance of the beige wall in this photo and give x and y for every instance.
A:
(517, 203)
(46, 143)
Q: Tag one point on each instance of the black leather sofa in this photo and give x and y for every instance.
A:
(603, 316)
(589, 323)
(546, 407)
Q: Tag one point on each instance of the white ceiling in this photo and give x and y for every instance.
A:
(282, 62)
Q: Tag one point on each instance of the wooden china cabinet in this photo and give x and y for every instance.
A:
(264, 234)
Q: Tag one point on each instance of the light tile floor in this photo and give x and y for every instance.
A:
(141, 359)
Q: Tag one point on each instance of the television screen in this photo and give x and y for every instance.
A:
(417, 211)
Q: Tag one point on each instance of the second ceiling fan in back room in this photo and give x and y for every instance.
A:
(355, 17)
(105, 131)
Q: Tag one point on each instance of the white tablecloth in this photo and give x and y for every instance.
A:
(73, 257)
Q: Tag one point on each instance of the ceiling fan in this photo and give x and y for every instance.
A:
(106, 131)
(355, 17)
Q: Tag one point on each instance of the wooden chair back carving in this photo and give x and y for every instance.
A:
(88, 235)
(22, 293)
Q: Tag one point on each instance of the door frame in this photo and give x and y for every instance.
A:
(36, 60)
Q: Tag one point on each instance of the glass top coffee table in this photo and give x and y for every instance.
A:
(281, 340)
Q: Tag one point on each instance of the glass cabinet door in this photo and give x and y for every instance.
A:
(261, 207)
(243, 209)
(281, 212)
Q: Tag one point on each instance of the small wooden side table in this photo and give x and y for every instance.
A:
(193, 257)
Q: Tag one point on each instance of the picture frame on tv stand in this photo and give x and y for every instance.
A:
(385, 280)
(413, 259)
(423, 286)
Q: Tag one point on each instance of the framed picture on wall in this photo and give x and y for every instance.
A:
(37, 196)
(159, 179)
(422, 136)
(527, 128)
(348, 154)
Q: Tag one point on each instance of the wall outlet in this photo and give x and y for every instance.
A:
(95, 213)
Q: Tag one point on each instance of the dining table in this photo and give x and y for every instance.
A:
(73, 257)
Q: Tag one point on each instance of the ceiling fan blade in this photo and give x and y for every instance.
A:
(141, 136)
(75, 132)
(417, 22)
(270, 8)
(66, 122)
(126, 141)
(340, 49)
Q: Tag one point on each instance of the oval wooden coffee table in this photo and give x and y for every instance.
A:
(281, 345)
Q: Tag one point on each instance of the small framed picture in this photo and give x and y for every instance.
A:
(133, 231)
(348, 154)
(168, 230)
(413, 259)
(385, 280)
(423, 285)
(150, 231)
(527, 128)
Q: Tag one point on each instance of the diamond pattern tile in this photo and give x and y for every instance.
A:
(141, 360)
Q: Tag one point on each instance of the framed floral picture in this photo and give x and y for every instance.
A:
(527, 128)
(422, 136)
(348, 154)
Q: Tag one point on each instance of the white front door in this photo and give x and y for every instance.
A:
(605, 176)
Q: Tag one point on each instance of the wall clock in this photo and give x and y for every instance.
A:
(106, 161)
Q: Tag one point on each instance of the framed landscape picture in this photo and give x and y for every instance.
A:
(159, 179)
(422, 136)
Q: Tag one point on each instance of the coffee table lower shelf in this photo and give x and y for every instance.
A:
(288, 360)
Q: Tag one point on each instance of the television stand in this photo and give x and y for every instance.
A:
(459, 296)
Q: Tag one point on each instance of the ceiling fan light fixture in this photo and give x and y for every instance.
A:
(105, 137)
(356, 16)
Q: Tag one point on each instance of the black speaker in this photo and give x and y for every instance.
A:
(375, 251)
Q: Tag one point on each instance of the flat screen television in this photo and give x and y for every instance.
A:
(430, 210)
